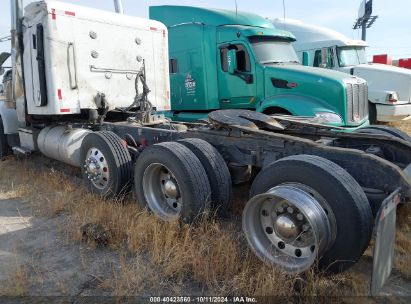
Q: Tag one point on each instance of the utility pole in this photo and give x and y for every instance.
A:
(365, 19)
(118, 5)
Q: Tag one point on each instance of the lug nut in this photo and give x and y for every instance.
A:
(290, 210)
(306, 227)
(280, 210)
(300, 217)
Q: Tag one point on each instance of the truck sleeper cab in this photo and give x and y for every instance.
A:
(389, 87)
(220, 60)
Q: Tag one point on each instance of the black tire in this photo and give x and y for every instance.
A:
(4, 146)
(353, 216)
(118, 159)
(187, 171)
(217, 171)
(372, 112)
(385, 130)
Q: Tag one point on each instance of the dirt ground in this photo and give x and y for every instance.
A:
(40, 257)
(37, 258)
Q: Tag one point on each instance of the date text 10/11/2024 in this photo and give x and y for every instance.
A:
(203, 300)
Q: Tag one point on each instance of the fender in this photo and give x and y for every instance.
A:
(9, 117)
(297, 105)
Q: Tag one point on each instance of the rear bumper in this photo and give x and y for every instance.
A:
(393, 112)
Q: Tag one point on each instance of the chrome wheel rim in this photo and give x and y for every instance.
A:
(96, 168)
(288, 227)
(162, 192)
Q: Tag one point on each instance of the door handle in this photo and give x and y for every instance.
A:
(225, 100)
(71, 64)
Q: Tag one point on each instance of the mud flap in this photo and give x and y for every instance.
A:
(383, 255)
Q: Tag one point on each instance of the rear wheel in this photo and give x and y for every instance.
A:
(217, 172)
(4, 146)
(385, 130)
(306, 207)
(107, 167)
(171, 182)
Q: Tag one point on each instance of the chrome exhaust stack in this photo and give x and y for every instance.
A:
(16, 30)
(16, 7)
(118, 5)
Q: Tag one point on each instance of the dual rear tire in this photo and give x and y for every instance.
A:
(302, 209)
(172, 179)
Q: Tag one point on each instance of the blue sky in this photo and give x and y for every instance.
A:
(390, 34)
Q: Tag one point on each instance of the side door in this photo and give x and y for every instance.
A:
(236, 90)
(38, 67)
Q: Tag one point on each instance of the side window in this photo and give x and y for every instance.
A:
(317, 58)
(173, 68)
(327, 62)
(223, 58)
(243, 58)
(330, 58)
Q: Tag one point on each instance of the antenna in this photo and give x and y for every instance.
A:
(236, 8)
(284, 26)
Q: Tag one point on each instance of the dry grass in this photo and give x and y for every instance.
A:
(403, 237)
(167, 255)
(17, 285)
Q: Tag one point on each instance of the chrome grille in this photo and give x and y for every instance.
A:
(357, 101)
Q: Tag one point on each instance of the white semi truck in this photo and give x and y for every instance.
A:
(389, 87)
(87, 88)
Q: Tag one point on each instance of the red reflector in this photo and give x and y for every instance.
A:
(392, 100)
(70, 13)
(293, 85)
(64, 110)
(153, 29)
(53, 14)
(59, 94)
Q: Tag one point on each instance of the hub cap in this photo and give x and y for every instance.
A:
(162, 192)
(97, 168)
(287, 226)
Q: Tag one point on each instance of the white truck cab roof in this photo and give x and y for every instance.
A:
(389, 87)
(311, 35)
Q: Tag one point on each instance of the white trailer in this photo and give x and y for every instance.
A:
(87, 88)
(389, 87)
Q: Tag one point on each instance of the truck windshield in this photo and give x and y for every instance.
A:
(348, 56)
(270, 50)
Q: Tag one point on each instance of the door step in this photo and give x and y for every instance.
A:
(21, 151)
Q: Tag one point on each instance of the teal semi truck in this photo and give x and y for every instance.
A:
(221, 59)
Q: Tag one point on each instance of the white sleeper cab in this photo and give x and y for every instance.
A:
(389, 87)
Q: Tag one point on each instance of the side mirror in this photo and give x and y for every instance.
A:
(1, 70)
(306, 59)
(232, 61)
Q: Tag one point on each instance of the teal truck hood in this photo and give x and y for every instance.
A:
(320, 85)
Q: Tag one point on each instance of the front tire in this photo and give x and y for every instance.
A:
(4, 146)
(340, 197)
(106, 164)
(171, 182)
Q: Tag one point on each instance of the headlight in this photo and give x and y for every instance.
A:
(327, 117)
(392, 97)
